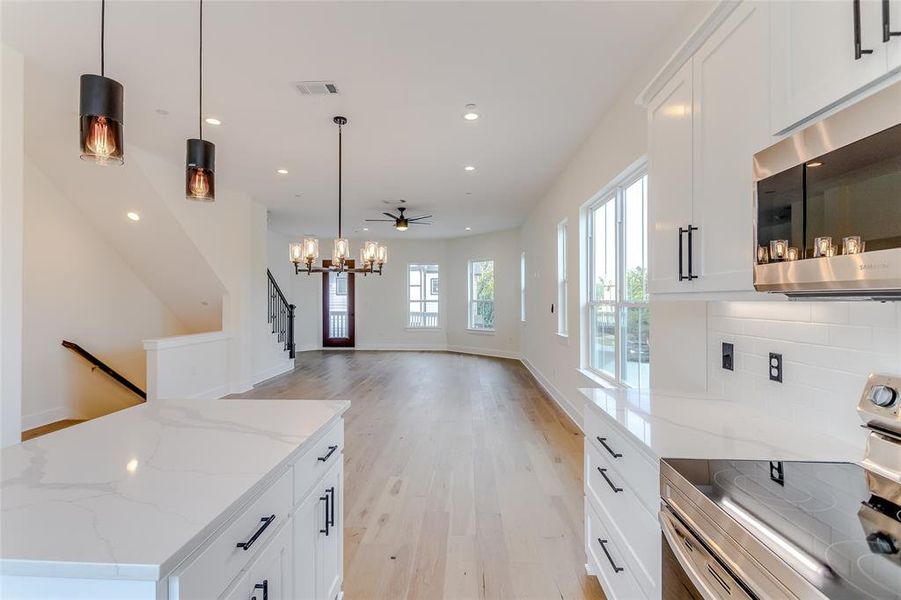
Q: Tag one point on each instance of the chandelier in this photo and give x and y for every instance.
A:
(373, 255)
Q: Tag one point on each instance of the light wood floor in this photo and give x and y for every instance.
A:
(462, 479)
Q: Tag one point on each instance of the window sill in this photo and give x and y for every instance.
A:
(601, 380)
(480, 331)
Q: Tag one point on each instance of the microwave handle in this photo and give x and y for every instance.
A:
(858, 44)
(887, 32)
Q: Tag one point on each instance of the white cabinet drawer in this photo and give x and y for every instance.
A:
(315, 462)
(207, 575)
(634, 529)
(643, 474)
(608, 560)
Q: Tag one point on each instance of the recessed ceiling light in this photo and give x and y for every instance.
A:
(470, 112)
(133, 216)
(282, 171)
(469, 229)
(162, 111)
(815, 163)
(469, 168)
(213, 121)
(365, 229)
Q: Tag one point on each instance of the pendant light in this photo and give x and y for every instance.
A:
(100, 111)
(200, 155)
(373, 256)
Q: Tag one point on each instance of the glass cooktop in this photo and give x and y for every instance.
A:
(836, 524)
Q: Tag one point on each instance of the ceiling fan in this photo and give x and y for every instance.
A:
(401, 222)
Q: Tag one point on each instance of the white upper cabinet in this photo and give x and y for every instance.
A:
(731, 123)
(669, 179)
(823, 51)
(892, 34)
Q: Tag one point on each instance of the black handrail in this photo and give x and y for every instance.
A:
(280, 314)
(105, 368)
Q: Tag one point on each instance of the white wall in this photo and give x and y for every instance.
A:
(381, 307)
(828, 349)
(77, 287)
(503, 248)
(616, 142)
(12, 154)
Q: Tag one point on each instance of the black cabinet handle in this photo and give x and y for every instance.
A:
(681, 276)
(691, 275)
(266, 522)
(331, 518)
(887, 32)
(613, 487)
(612, 452)
(261, 586)
(858, 44)
(603, 544)
(691, 269)
(328, 455)
(327, 521)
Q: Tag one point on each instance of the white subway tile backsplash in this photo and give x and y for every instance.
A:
(828, 350)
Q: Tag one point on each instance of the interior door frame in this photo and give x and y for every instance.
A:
(350, 340)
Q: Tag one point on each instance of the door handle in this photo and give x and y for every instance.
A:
(603, 544)
(859, 51)
(887, 32)
(612, 485)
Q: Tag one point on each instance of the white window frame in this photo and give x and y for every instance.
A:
(470, 301)
(562, 281)
(409, 324)
(522, 287)
(614, 192)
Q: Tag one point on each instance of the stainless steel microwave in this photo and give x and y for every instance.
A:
(828, 206)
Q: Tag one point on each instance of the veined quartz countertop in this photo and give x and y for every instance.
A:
(129, 495)
(670, 425)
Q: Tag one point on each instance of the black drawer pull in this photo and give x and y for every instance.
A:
(327, 520)
(331, 493)
(261, 586)
(603, 473)
(603, 544)
(328, 455)
(266, 522)
(612, 452)
(858, 44)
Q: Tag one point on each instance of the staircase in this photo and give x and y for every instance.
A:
(280, 315)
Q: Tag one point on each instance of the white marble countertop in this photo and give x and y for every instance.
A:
(129, 495)
(670, 425)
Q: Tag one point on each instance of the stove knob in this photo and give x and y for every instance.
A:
(883, 395)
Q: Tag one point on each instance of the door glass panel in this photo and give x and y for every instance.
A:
(337, 303)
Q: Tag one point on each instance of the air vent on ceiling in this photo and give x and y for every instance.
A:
(316, 88)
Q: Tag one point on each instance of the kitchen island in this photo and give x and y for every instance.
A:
(178, 499)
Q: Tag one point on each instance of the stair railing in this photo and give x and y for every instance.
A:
(105, 368)
(280, 315)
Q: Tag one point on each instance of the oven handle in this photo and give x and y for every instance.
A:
(672, 531)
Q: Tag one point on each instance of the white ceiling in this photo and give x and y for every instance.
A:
(540, 73)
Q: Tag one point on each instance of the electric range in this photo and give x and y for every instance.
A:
(773, 529)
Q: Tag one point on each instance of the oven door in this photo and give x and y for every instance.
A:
(690, 570)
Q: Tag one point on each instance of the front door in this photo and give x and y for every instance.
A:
(338, 309)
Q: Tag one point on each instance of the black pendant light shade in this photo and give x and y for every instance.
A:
(200, 170)
(100, 112)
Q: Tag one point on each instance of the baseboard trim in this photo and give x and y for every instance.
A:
(484, 352)
(274, 371)
(45, 417)
(555, 394)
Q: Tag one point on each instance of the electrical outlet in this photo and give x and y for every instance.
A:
(728, 356)
(775, 367)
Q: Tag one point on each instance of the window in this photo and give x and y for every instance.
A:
(341, 284)
(522, 287)
(618, 317)
(562, 284)
(481, 295)
(422, 296)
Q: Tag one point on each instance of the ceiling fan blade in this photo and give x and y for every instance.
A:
(380, 220)
(418, 223)
(390, 215)
(419, 218)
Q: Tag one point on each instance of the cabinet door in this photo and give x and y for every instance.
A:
(669, 180)
(813, 59)
(893, 45)
(308, 520)
(330, 548)
(269, 576)
(730, 119)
